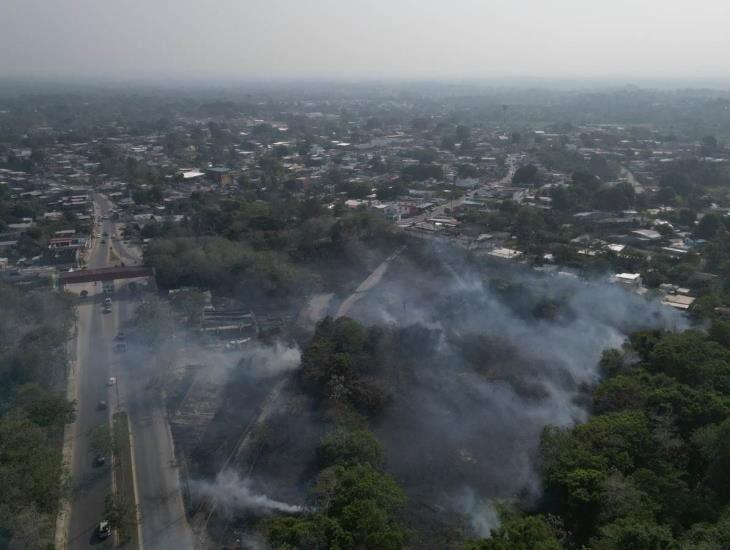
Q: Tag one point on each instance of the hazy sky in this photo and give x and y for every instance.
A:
(241, 39)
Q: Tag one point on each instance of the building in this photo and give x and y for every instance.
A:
(504, 253)
(678, 301)
(219, 174)
(631, 281)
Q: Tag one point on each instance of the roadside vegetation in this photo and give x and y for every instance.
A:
(34, 329)
(120, 508)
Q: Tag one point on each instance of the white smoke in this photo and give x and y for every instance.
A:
(233, 493)
(474, 420)
(272, 360)
(258, 360)
(482, 513)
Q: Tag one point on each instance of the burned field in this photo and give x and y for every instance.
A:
(441, 379)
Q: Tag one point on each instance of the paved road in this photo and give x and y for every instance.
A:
(162, 513)
(440, 210)
(92, 370)
(162, 516)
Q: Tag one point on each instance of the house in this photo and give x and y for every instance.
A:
(678, 301)
(191, 174)
(631, 281)
(504, 253)
(219, 174)
(646, 235)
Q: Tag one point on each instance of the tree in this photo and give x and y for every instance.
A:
(346, 448)
(615, 197)
(43, 407)
(562, 199)
(709, 226)
(638, 535)
(357, 510)
(526, 175)
(520, 533)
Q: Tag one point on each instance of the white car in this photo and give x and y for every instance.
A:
(112, 381)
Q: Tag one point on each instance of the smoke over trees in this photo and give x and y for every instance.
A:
(445, 382)
(649, 470)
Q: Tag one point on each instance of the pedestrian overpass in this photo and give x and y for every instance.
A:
(103, 274)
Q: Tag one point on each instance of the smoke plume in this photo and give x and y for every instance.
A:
(234, 494)
(509, 354)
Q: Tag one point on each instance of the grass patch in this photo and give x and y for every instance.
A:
(121, 510)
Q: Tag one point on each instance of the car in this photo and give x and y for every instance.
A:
(120, 337)
(84, 293)
(120, 347)
(107, 301)
(112, 381)
(99, 460)
(104, 530)
(107, 308)
(101, 406)
(103, 241)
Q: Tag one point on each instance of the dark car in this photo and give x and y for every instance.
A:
(99, 460)
(104, 530)
(101, 406)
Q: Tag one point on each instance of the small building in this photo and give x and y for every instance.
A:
(632, 281)
(646, 234)
(219, 174)
(678, 301)
(504, 253)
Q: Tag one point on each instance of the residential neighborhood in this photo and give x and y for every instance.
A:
(598, 199)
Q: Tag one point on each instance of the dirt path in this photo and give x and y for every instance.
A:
(373, 279)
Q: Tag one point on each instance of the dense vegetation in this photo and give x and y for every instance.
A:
(241, 246)
(647, 471)
(34, 328)
(650, 469)
(355, 504)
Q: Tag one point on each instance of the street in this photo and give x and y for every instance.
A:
(157, 485)
(440, 210)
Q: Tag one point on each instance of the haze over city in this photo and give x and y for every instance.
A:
(379, 275)
(254, 39)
